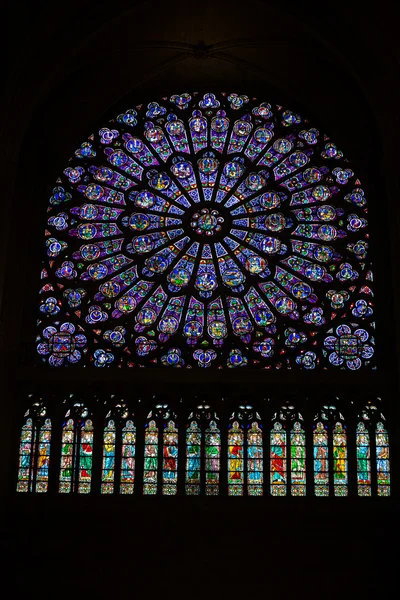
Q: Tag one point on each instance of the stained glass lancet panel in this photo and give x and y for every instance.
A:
(340, 463)
(255, 460)
(193, 459)
(128, 458)
(85, 457)
(26, 455)
(278, 462)
(298, 460)
(235, 460)
(200, 224)
(68, 457)
(212, 459)
(170, 459)
(363, 445)
(108, 468)
(43, 459)
(150, 459)
(321, 460)
(382, 460)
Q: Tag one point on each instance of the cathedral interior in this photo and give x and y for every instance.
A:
(73, 65)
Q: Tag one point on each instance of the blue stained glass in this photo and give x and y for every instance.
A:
(169, 215)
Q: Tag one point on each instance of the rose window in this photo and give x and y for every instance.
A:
(207, 231)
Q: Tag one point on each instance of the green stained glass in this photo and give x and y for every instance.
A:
(193, 458)
(150, 459)
(128, 458)
(235, 460)
(212, 459)
(298, 460)
(108, 469)
(255, 462)
(278, 467)
(382, 460)
(363, 461)
(321, 461)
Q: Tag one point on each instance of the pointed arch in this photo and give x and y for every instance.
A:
(255, 460)
(278, 459)
(340, 462)
(235, 459)
(67, 457)
(43, 459)
(321, 459)
(382, 460)
(25, 459)
(298, 460)
(363, 446)
(128, 453)
(170, 459)
(76, 463)
(193, 459)
(108, 466)
(212, 459)
(150, 470)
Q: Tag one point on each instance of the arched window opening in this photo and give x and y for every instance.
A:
(201, 469)
(363, 460)
(330, 453)
(128, 458)
(340, 467)
(278, 461)
(150, 472)
(170, 459)
(160, 474)
(193, 459)
(235, 459)
(298, 460)
(212, 459)
(255, 459)
(321, 459)
(287, 453)
(382, 460)
(118, 466)
(34, 451)
(108, 471)
(76, 451)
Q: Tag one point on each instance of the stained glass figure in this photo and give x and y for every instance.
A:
(85, 457)
(108, 468)
(255, 460)
(321, 460)
(212, 459)
(76, 455)
(298, 460)
(128, 458)
(43, 458)
(68, 458)
(235, 460)
(278, 466)
(363, 460)
(193, 458)
(220, 231)
(150, 459)
(340, 466)
(382, 460)
(25, 457)
(170, 459)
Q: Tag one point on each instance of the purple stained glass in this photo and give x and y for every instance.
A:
(221, 230)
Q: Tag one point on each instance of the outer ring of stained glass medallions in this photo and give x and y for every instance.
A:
(208, 230)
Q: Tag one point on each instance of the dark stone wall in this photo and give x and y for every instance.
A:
(72, 64)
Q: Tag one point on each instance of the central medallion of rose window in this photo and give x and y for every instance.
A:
(207, 222)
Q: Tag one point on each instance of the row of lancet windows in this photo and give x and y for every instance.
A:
(259, 459)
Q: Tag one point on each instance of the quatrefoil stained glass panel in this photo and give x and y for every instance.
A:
(207, 230)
